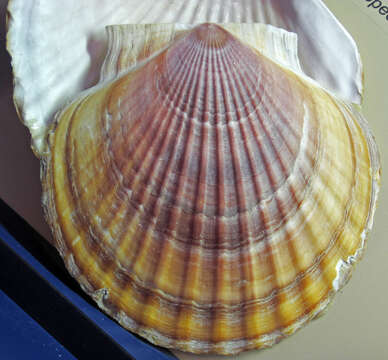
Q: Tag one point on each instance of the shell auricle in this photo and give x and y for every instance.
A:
(206, 193)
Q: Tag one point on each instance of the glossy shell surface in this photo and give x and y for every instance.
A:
(209, 197)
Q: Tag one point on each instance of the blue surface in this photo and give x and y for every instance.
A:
(21, 336)
(135, 347)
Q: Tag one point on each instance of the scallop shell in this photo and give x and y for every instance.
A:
(207, 194)
(53, 58)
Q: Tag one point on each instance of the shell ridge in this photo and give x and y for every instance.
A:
(233, 217)
(107, 160)
(271, 261)
(170, 163)
(274, 298)
(240, 58)
(352, 258)
(188, 94)
(214, 283)
(373, 154)
(165, 139)
(239, 190)
(140, 138)
(317, 265)
(262, 122)
(180, 190)
(255, 186)
(166, 93)
(256, 108)
(240, 86)
(80, 208)
(242, 319)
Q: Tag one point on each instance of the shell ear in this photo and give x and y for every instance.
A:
(129, 45)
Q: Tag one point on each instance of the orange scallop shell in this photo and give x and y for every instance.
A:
(210, 199)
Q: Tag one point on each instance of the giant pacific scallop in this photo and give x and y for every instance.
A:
(207, 194)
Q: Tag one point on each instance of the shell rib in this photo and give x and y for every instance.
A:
(210, 199)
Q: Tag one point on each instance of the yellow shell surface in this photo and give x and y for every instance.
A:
(210, 199)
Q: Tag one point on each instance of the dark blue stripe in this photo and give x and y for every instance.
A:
(77, 324)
